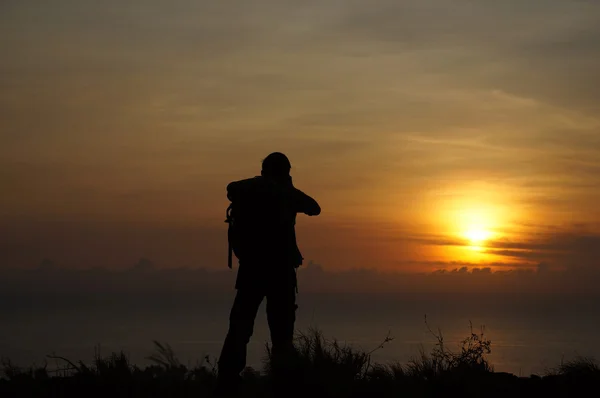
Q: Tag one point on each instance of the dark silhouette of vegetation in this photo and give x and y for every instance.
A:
(320, 367)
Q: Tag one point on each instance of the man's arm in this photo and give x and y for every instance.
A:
(305, 204)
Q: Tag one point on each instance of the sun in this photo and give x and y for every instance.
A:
(475, 225)
(474, 217)
(477, 235)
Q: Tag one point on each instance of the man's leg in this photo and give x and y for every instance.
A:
(241, 324)
(281, 315)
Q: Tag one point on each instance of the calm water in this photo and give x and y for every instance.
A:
(526, 339)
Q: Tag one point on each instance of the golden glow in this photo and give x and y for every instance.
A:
(475, 225)
(477, 236)
(472, 218)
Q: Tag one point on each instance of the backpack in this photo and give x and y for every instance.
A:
(241, 231)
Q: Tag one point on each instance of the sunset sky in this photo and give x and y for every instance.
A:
(435, 134)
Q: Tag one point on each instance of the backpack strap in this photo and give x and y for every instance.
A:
(229, 220)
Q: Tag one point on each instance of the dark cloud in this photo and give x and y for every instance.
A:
(466, 265)
(576, 246)
(518, 254)
(156, 286)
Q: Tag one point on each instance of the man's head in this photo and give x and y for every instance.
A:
(276, 166)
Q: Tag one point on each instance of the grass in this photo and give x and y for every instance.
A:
(320, 367)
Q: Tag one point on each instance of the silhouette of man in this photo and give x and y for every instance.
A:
(266, 208)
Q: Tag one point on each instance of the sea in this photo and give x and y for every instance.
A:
(526, 338)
